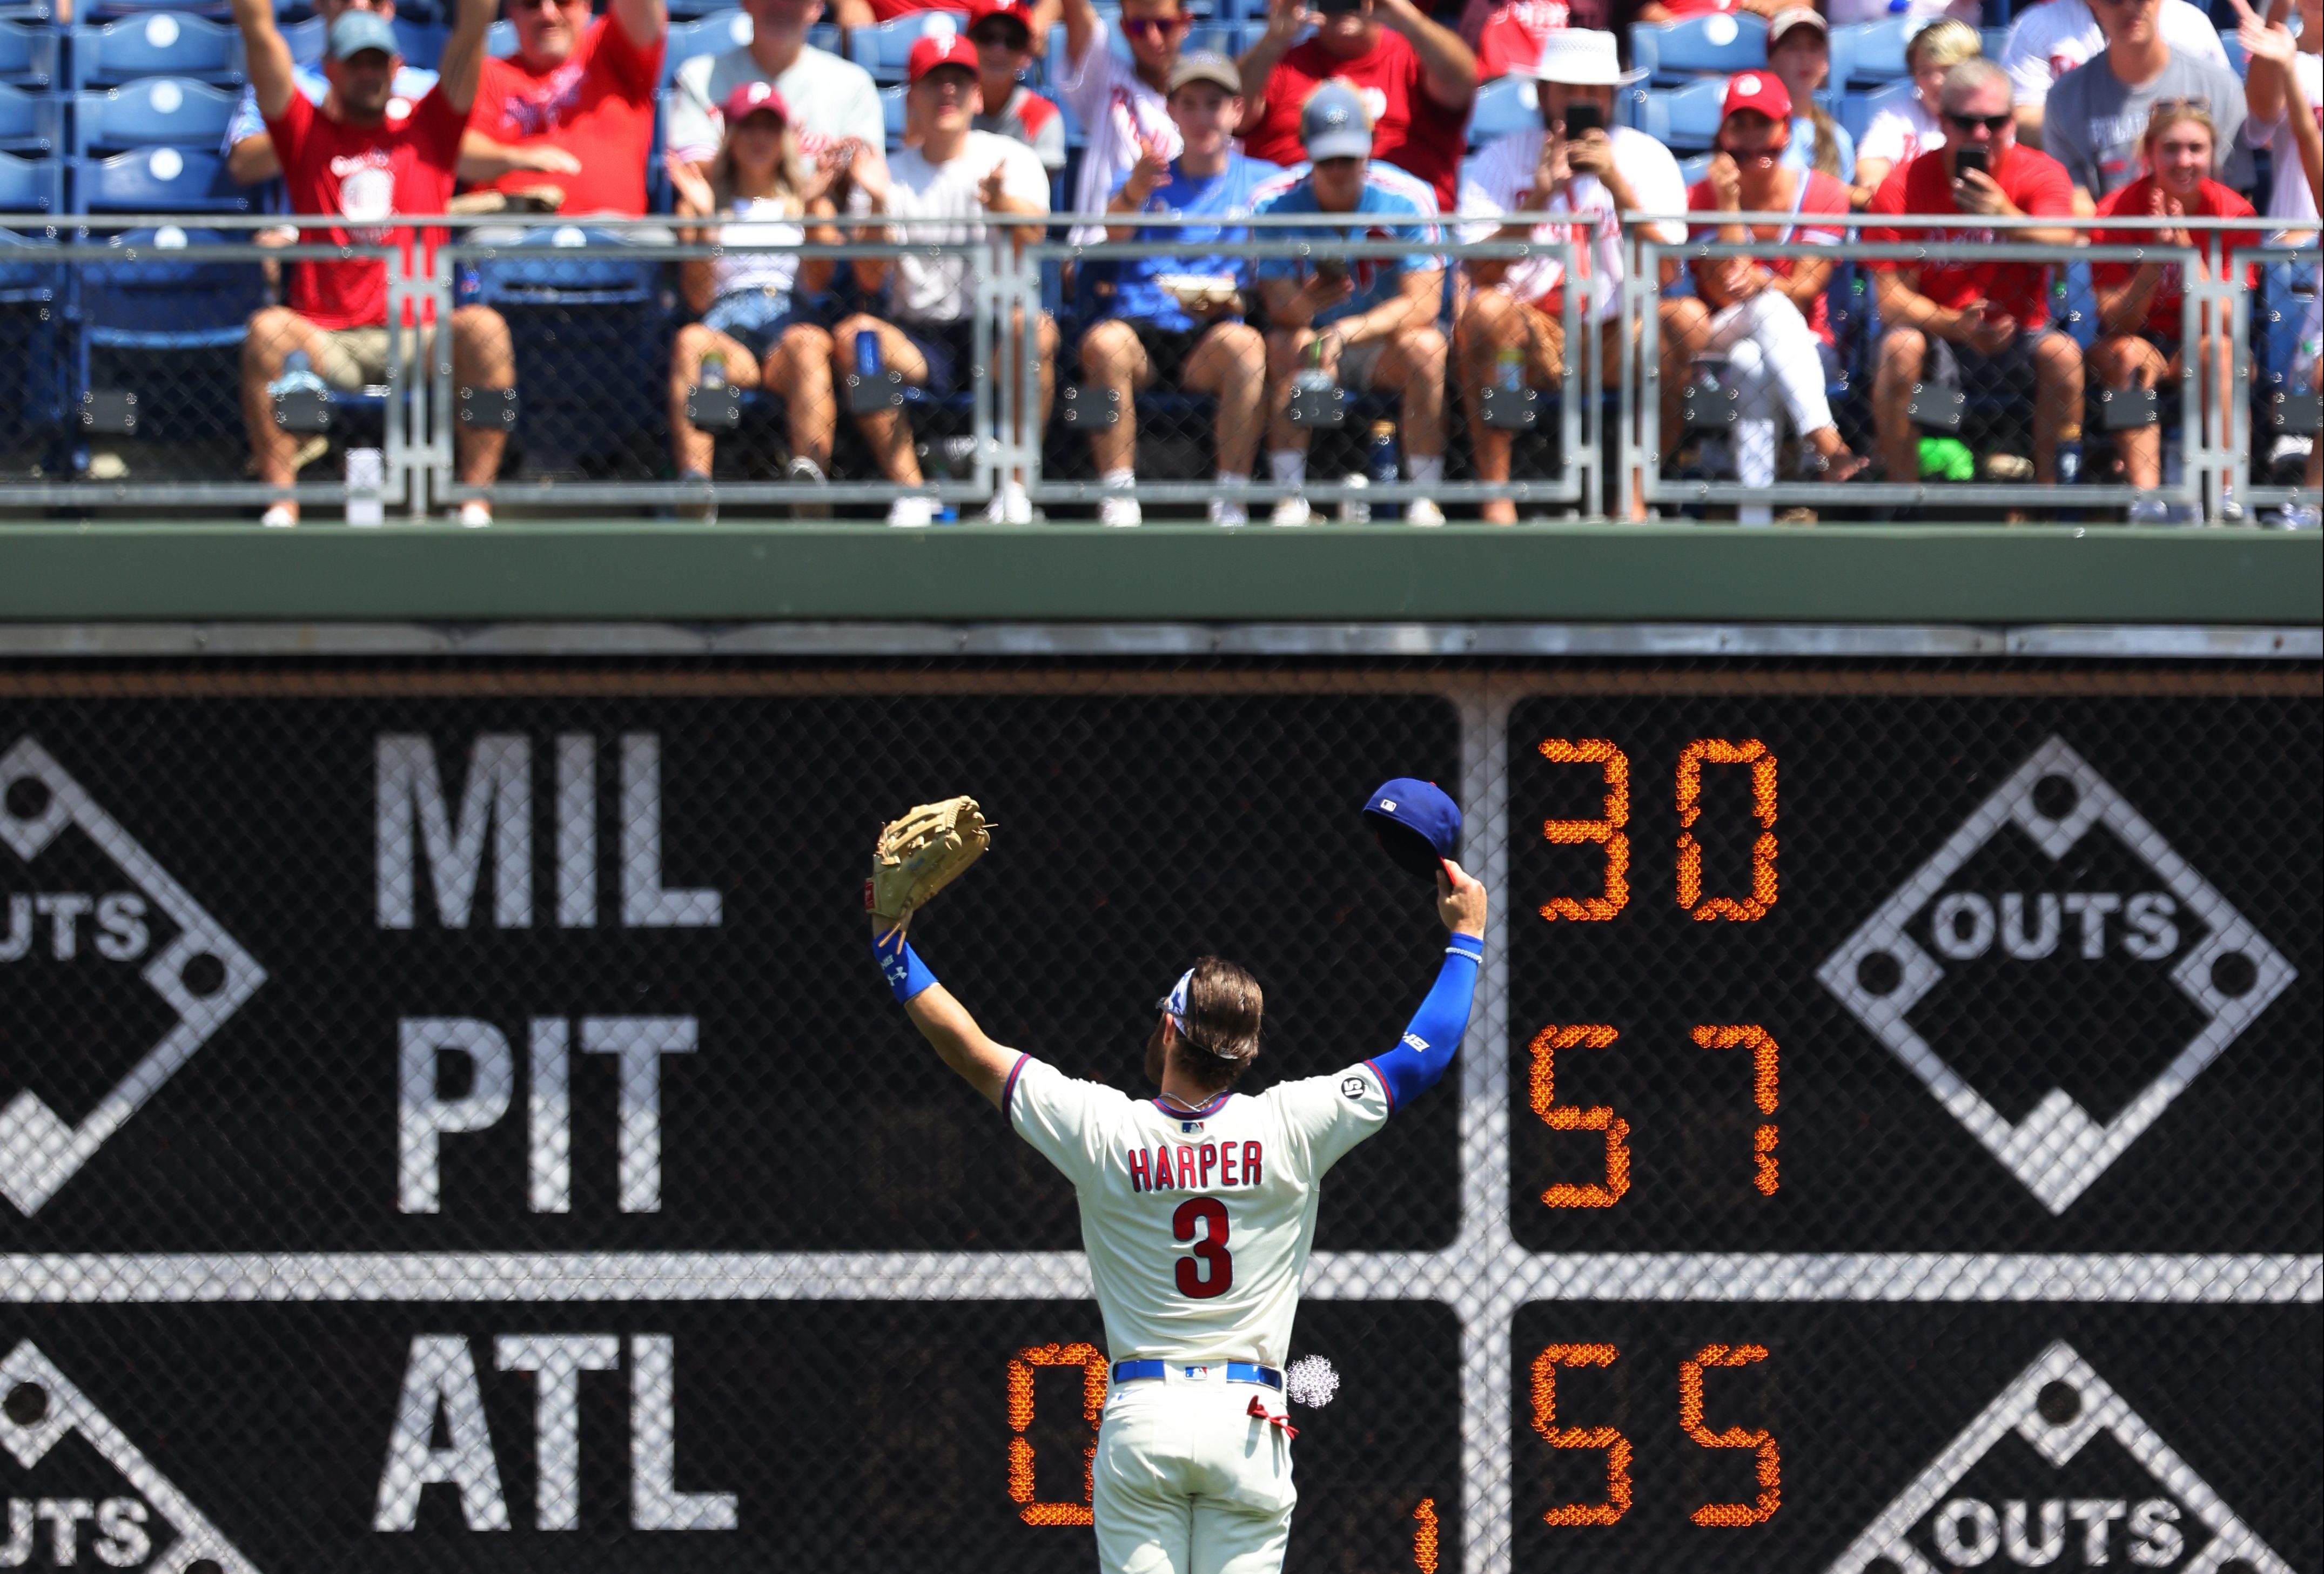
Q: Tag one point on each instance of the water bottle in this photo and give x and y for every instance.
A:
(1355, 510)
(1508, 370)
(1380, 467)
(298, 377)
(2070, 467)
(714, 369)
(867, 355)
(367, 474)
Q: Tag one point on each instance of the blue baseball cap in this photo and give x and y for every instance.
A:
(1416, 823)
(1334, 124)
(358, 30)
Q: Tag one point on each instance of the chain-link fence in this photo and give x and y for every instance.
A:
(454, 1122)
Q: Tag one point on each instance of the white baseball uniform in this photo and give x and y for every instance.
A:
(1198, 1224)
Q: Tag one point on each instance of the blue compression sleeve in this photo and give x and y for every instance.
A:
(1412, 1066)
(906, 974)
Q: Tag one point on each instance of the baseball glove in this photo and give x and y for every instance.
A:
(921, 853)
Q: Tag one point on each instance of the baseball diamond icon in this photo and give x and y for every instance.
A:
(200, 974)
(2059, 1149)
(38, 1409)
(2057, 1406)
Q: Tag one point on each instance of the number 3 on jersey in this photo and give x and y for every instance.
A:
(1211, 1252)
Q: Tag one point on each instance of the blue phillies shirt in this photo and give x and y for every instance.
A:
(1399, 208)
(1227, 195)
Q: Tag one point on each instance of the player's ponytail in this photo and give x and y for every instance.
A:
(1223, 1005)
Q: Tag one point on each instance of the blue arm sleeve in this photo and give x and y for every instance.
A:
(1420, 1057)
(906, 974)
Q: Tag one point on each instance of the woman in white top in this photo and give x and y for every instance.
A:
(751, 333)
(1899, 134)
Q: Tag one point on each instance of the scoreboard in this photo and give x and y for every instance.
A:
(450, 1120)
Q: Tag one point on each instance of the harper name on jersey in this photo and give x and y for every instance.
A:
(1194, 1165)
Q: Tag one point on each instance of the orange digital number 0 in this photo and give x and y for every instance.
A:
(1691, 760)
(1607, 829)
(1730, 1516)
(1617, 1445)
(1572, 1118)
(1093, 1362)
(1765, 1068)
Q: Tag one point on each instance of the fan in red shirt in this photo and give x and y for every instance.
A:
(575, 102)
(1991, 317)
(1416, 78)
(357, 160)
(2142, 305)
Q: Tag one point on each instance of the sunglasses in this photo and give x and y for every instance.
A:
(519, 5)
(1001, 37)
(1139, 26)
(1996, 123)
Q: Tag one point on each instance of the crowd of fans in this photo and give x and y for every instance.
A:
(1353, 113)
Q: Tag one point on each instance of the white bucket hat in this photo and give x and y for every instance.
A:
(1580, 57)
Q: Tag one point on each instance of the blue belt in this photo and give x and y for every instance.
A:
(1237, 1371)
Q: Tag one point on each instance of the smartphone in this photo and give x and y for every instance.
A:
(1583, 115)
(1967, 159)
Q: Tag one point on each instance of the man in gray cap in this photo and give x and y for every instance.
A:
(359, 167)
(1370, 320)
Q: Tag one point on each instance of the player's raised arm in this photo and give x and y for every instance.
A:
(915, 857)
(942, 1020)
(1421, 1055)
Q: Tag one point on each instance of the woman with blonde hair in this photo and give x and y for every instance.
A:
(1799, 56)
(751, 333)
(1899, 134)
(2141, 305)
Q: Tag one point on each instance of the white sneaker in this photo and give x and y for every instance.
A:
(1119, 511)
(1290, 511)
(912, 513)
(1010, 505)
(1423, 510)
(1223, 512)
(2150, 511)
(280, 516)
(475, 514)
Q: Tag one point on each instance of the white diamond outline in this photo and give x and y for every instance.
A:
(69, 1411)
(40, 1150)
(2018, 1408)
(2058, 1150)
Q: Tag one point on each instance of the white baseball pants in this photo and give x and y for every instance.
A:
(1772, 362)
(1186, 1482)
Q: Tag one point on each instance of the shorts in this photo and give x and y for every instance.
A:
(1167, 348)
(753, 319)
(948, 347)
(2011, 367)
(1185, 1481)
(356, 358)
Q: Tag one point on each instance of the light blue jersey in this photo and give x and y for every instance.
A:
(1227, 195)
(1398, 208)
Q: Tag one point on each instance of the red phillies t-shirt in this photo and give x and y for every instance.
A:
(597, 104)
(1409, 129)
(1511, 41)
(2164, 313)
(1824, 200)
(2035, 182)
(367, 174)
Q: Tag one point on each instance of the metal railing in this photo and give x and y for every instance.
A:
(112, 410)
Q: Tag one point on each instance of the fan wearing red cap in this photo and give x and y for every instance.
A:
(751, 333)
(958, 175)
(1765, 316)
(1002, 32)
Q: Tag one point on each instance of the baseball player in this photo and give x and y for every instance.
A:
(1198, 1210)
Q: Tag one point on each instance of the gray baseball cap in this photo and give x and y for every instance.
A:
(1206, 66)
(358, 30)
(1334, 125)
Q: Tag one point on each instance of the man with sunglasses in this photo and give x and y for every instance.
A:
(582, 86)
(1124, 106)
(1991, 319)
(2095, 123)
(1002, 32)
(1418, 80)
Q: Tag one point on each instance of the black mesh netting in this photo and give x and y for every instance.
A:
(1910, 1159)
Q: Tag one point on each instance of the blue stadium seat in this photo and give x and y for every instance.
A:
(30, 123)
(152, 112)
(32, 358)
(306, 39)
(159, 180)
(884, 50)
(28, 54)
(31, 184)
(712, 36)
(1724, 43)
(38, 12)
(1857, 109)
(892, 112)
(500, 39)
(420, 43)
(119, 10)
(1684, 118)
(164, 44)
(1872, 51)
(171, 332)
(1504, 105)
(1696, 169)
